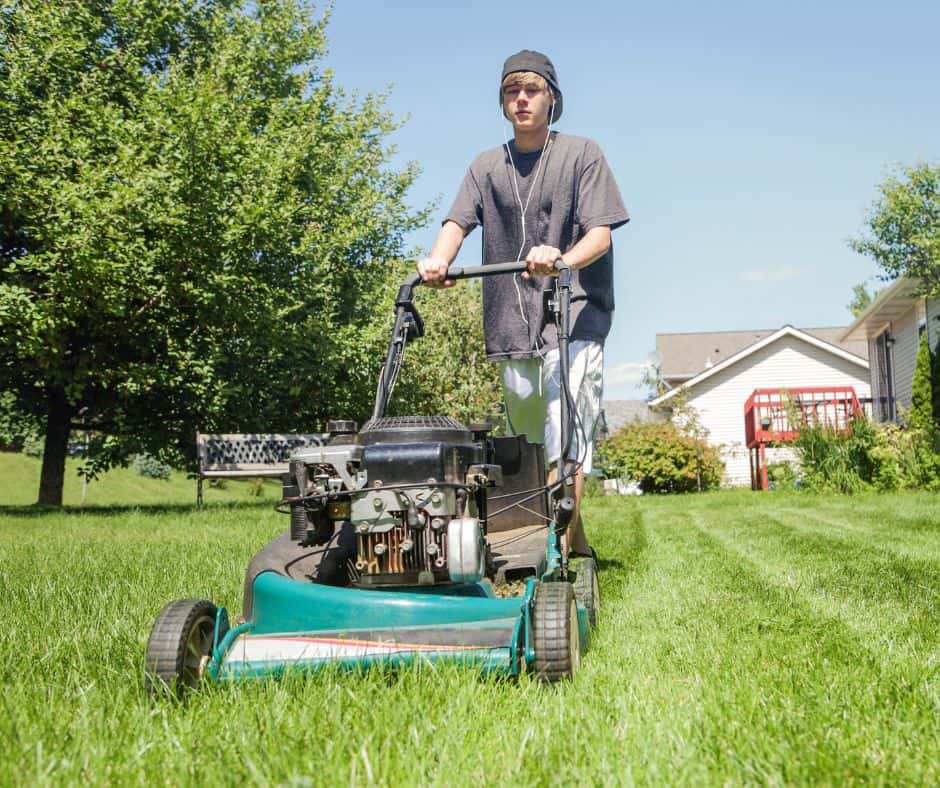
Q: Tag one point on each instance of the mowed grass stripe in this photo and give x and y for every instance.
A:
(892, 599)
(917, 536)
(650, 695)
(824, 701)
(707, 668)
(451, 725)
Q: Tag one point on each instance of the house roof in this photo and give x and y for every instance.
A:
(683, 356)
(890, 304)
(618, 412)
(823, 344)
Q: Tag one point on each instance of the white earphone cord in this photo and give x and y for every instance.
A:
(523, 209)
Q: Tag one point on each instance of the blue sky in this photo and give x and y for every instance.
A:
(747, 138)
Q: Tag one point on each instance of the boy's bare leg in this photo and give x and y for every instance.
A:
(574, 539)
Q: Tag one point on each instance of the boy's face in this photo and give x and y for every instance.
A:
(526, 103)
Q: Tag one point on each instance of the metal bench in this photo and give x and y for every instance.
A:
(247, 456)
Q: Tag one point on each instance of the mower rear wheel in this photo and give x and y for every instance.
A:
(557, 638)
(180, 646)
(586, 588)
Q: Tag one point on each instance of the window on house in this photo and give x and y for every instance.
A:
(884, 376)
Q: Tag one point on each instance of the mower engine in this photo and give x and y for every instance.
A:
(412, 489)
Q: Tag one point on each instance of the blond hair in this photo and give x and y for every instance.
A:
(525, 78)
(528, 78)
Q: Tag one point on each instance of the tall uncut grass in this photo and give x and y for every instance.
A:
(743, 638)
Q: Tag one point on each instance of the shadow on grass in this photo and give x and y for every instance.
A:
(37, 510)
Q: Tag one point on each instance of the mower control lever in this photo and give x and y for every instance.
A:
(564, 511)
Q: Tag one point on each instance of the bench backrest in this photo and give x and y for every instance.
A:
(250, 452)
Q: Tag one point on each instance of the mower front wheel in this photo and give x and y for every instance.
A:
(586, 588)
(180, 646)
(557, 638)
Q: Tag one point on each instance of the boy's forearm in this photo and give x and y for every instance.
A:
(448, 242)
(591, 247)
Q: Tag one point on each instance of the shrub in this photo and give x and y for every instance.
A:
(16, 427)
(34, 445)
(922, 416)
(868, 455)
(661, 458)
(781, 475)
(593, 486)
(935, 383)
(926, 457)
(148, 465)
(830, 459)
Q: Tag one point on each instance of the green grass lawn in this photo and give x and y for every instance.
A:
(19, 486)
(744, 638)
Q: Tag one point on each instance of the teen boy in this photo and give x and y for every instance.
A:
(540, 197)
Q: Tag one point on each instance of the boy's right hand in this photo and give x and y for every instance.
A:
(433, 272)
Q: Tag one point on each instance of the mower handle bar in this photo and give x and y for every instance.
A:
(405, 306)
(566, 504)
(457, 272)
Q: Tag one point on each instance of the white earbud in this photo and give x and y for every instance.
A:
(524, 207)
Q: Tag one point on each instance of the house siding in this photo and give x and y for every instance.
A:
(876, 392)
(906, 335)
(933, 322)
(788, 362)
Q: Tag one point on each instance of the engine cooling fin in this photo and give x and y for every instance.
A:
(407, 429)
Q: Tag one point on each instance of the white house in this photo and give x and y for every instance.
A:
(891, 326)
(729, 372)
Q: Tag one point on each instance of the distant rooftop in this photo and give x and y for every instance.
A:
(618, 412)
(683, 356)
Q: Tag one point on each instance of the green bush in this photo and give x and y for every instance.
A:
(922, 416)
(148, 465)
(16, 427)
(781, 475)
(868, 455)
(593, 486)
(661, 458)
(926, 453)
(34, 445)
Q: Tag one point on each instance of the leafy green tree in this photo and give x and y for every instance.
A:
(903, 233)
(935, 382)
(194, 221)
(861, 298)
(446, 371)
(921, 415)
(15, 427)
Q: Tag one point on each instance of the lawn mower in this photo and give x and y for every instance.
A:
(413, 538)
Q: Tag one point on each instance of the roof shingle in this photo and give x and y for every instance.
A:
(683, 356)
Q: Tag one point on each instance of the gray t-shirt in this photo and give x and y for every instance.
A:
(572, 192)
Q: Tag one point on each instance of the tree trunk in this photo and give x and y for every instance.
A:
(58, 418)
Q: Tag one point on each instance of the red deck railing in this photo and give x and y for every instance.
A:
(774, 416)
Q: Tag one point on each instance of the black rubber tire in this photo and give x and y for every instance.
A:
(586, 587)
(557, 639)
(179, 646)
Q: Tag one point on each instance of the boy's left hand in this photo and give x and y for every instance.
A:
(541, 261)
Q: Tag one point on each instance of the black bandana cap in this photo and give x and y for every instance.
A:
(529, 60)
